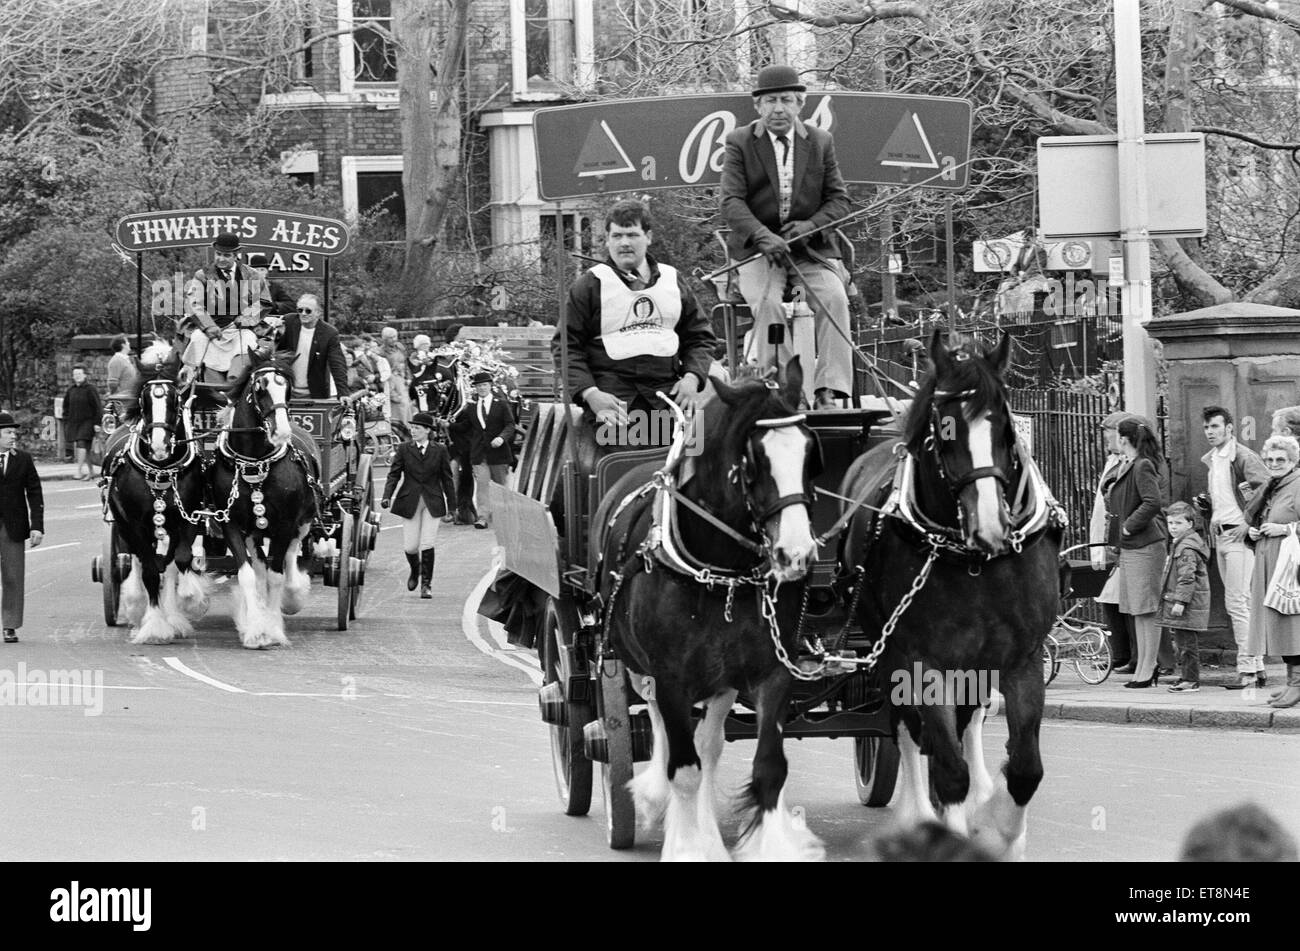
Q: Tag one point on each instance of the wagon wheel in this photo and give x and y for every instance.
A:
(616, 772)
(568, 757)
(365, 481)
(875, 769)
(1051, 660)
(1092, 661)
(347, 529)
(105, 569)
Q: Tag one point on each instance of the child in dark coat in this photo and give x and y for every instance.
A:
(1185, 597)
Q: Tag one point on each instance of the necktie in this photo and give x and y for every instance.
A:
(4, 463)
(484, 405)
(785, 147)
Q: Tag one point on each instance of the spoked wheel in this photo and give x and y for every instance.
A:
(108, 572)
(620, 809)
(1092, 661)
(1051, 660)
(568, 757)
(362, 527)
(875, 769)
(347, 530)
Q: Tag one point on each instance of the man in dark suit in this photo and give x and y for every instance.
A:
(427, 491)
(780, 181)
(490, 426)
(22, 517)
(319, 367)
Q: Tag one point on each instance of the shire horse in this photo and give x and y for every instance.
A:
(686, 642)
(966, 507)
(154, 478)
(262, 480)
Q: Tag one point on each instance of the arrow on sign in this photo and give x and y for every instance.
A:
(908, 146)
(602, 154)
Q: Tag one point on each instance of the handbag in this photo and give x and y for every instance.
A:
(1283, 594)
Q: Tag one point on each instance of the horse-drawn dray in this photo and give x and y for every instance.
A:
(234, 478)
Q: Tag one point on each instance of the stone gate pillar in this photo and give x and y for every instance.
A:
(1244, 357)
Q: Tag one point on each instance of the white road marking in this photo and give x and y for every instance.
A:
(521, 660)
(94, 686)
(175, 664)
(499, 703)
(337, 695)
(75, 488)
(42, 548)
(91, 505)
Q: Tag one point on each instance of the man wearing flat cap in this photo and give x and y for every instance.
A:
(780, 182)
(490, 427)
(225, 308)
(22, 519)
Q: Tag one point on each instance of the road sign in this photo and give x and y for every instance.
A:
(1078, 185)
(643, 144)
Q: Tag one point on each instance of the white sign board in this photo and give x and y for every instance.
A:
(1078, 185)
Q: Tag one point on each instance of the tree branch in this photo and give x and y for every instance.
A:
(870, 13)
(1233, 134)
(1264, 12)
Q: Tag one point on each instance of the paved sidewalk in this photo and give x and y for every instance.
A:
(61, 471)
(1069, 698)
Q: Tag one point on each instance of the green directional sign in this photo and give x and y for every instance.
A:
(640, 144)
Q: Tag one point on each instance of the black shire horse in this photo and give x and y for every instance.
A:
(260, 479)
(687, 642)
(972, 521)
(154, 478)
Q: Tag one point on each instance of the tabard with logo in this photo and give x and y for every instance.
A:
(639, 323)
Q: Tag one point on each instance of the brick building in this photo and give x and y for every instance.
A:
(336, 110)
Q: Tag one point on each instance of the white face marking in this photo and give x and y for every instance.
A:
(784, 447)
(988, 522)
(275, 389)
(158, 437)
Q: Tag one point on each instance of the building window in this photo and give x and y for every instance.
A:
(372, 182)
(577, 235)
(367, 54)
(551, 46)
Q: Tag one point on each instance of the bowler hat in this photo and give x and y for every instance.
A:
(258, 260)
(227, 241)
(7, 421)
(422, 419)
(778, 79)
(482, 376)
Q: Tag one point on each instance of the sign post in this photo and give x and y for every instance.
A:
(1139, 356)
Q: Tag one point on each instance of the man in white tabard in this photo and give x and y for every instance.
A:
(634, 328)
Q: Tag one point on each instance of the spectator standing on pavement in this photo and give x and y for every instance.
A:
(1137, 529)
(22, 519)
(1185, 603)
(1286, 421)
(82, 412)
(122, 374)
(1235, 475)
(1272, 515)
(390, 347)
(1121, 625)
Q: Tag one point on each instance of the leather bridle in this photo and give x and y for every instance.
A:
(933, 439)
(743, 473)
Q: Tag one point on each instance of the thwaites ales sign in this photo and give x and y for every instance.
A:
(268, 231)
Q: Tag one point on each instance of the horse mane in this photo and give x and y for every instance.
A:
(976, 374)
(236, 389)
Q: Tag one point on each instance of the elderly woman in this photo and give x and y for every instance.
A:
(1134, 506)
(1286, 421)
(1272, 515)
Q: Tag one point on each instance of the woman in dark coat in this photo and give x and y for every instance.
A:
(1134, 506)
(82, 414)
(424, 470)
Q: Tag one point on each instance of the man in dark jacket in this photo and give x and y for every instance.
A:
(82, 413)
(633, 329)
(490, 426)
(22, 517)
(780, 181)
(319, 367)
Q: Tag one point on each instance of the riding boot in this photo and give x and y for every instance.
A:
(413, 560)
(426, 572)
(1291, 696)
